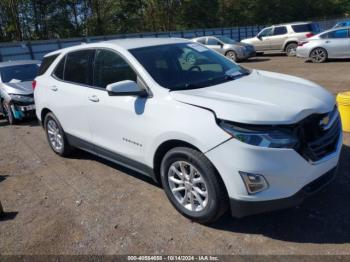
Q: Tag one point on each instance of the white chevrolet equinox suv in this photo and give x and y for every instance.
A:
(217, 136)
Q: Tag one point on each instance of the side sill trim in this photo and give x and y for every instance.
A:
(111, 156)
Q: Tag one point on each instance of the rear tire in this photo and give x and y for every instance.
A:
(193, 186)
(291, 49)
(56, 136)
(319, 55)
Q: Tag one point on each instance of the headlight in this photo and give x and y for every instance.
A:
(272, 138)
(22, 98)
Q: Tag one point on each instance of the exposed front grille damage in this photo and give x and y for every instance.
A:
(316, 139)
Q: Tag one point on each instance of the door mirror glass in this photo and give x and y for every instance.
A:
(126, 88)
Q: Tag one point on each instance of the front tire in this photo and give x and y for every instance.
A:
(56, 136)
(193, 186)
(319, 55)
(8, 113)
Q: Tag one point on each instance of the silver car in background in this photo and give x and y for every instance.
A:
(283, 37)
(334, 43)
(16, 91)
(227, 47)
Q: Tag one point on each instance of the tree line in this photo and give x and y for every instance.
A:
(47, 19)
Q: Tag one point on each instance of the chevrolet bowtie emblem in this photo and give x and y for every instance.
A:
(325, 121)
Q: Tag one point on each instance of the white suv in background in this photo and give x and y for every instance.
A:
(214, 134)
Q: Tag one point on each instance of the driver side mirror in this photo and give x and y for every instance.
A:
(126, 88)
(259, 37)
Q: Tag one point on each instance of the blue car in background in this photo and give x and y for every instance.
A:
(342, 24)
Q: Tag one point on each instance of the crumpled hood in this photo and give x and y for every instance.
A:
(21, 88)
(261, 98)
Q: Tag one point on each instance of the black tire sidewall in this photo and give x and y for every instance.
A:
(208, 172)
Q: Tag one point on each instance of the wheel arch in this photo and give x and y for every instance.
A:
(162, 149)
(165, 147)
(43, 114)
(294, 41)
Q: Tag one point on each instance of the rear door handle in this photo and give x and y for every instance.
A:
(94, 98)
(54, 88)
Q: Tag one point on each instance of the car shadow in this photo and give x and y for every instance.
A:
(80, 154)
(8, 216)
(25, 122)
(2, 178)
(255, 60)
(329, 61)
(322, 218)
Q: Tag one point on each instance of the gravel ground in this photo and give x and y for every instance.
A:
(85, 205)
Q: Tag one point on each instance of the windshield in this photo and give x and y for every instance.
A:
(187, 66)
(226, 40)
(18, 73)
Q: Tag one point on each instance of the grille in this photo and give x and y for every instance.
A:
(317, 142)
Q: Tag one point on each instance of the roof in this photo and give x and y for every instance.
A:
(128, 43)
(335, 29)
(19, 62)
(294, 23)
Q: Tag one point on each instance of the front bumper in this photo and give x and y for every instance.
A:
(22, 110)
(246, 208)
(285, 170)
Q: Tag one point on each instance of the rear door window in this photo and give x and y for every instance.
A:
(46, 63)
(280, 30)
(111, 68)
(78, 67)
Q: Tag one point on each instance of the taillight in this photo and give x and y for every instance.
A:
(309, 35)
(34, 84)
(301, 43)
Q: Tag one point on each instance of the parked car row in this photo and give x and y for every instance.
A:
(301, 39)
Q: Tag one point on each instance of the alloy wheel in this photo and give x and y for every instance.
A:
(188, 186)
(319, 55)
(55, 136)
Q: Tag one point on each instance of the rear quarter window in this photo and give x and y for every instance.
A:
(46, 63)
(305, 28)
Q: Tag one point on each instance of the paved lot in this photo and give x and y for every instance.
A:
(84, 205)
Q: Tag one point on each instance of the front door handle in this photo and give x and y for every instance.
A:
(94, 98)
(54, 88)
(327, 42)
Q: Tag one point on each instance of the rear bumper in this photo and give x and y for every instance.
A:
(246, 208)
